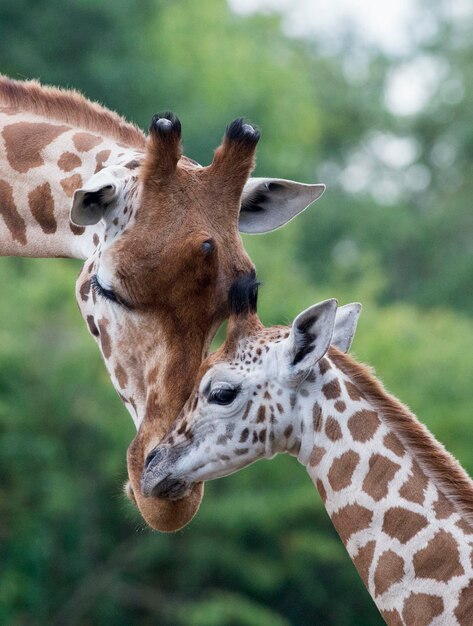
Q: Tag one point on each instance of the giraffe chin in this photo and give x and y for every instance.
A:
(169, 515)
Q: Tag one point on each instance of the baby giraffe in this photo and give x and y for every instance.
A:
(401, 504)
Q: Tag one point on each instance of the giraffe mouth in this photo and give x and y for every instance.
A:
(167, 488)
(158, 482)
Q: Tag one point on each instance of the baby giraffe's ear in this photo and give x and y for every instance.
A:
(346, 320)
(310, 336)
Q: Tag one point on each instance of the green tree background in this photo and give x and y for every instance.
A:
(395, 234)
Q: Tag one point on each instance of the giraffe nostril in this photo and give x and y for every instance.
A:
(154, 458)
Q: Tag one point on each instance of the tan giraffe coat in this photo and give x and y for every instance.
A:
(401, 504)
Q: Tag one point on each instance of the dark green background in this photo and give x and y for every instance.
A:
(261, 551)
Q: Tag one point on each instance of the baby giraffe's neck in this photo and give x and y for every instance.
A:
(400, 503)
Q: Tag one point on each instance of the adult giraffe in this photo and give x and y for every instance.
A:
(159, 235)
(401, 504)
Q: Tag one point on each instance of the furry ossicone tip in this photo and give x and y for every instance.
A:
(165, 123)
(242, 132)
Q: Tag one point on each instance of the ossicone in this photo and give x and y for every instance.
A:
(234, 159)
(163, 148)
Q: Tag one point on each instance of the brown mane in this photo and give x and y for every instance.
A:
(70, 107)
(431, 455)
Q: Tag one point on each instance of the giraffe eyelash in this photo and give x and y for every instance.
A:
(106, 293)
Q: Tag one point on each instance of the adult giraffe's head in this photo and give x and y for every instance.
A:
(155, 290)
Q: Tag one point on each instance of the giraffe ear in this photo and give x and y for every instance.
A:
(268, 203)
(98, 194)
(310, 336)
(345, 325)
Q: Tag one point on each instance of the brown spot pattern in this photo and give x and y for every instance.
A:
(390, 570)
(13, 220)
(403, 524)
(241, 451)
(121, 376)
(92, 327)
(342, 469)
(363, 425)
(442, 507)
(421, 608)
(324, 366)
(77, 230)
(261, 416)
(105, 341)
(351, 519)
(85, 290)
(244, 435)
(316, 417)
(364, 559)
(353, 391)
(24, 142)
(317, 455)
(332, 389)
(71, 184)
(100, 158)
(465, 527)
(392, 618)
(332, 429)
(381, 472)
(413, 488)
(68, 161)
(247, 409)
(321, 489)
(86, 141)
(392, 443)
(42, 208)
(440, 559)
(340, 406)
(464, 609)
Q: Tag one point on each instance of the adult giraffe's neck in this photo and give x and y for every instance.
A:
(163, 373)
(42, 163)
(400, 503)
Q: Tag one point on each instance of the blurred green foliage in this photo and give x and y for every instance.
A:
(261, 551)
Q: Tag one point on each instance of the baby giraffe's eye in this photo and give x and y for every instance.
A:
(223, 395)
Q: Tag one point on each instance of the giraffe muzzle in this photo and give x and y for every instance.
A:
(157, 479)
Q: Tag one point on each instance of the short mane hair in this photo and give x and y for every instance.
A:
(243, 294)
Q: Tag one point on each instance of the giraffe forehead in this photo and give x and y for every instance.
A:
(255, 353)
(221, 373)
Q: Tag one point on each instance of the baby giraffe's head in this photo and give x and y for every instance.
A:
(247, 394)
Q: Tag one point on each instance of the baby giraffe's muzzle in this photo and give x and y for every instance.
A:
(157, 479)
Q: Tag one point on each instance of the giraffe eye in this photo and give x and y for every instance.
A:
(107, 293)
(223, 395)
